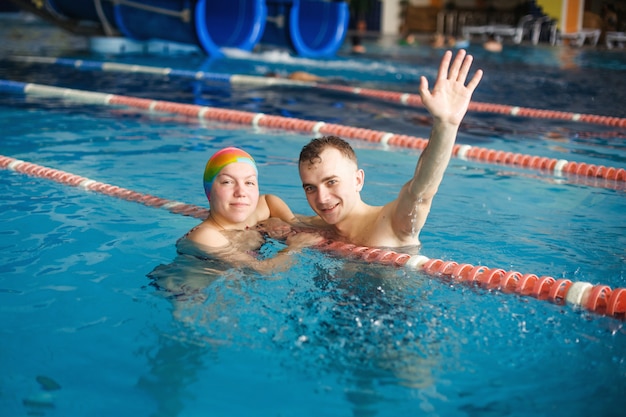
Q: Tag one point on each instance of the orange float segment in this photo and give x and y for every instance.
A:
(598, 299)
(616, 305)
(509, 282)
(559, 290)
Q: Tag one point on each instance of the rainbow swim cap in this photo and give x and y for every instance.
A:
(222, 158)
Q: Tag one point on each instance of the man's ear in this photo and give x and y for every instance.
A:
(360, 179)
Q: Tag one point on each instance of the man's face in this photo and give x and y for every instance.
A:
(331, 185)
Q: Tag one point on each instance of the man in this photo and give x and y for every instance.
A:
(332, 180)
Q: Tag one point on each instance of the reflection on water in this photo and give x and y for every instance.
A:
(363, 335)
(336, 321)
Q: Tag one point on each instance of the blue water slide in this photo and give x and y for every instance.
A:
(163, 19)
(312, 28)
(211, 24)
(230, 23)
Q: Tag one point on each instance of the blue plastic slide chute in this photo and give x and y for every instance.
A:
(211, 24)
(230, 23)
(312, 28)
(164, 19)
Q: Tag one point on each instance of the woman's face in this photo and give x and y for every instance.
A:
(235, 192)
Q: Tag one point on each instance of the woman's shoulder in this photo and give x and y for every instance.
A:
(208, 235)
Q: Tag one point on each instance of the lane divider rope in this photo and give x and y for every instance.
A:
(485, 155)
(102, 188)
(599, 299)
(416, 100)
(403, 98)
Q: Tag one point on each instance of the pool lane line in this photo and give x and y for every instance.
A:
(404, 98)
(467, 152)
(416, 100)
(102, 188)
(599, 299)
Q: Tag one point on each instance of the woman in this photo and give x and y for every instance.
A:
(239, 223)
(240, 219)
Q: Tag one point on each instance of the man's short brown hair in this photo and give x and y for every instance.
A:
(312, 150)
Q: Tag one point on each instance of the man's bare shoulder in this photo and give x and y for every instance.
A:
(388, 231)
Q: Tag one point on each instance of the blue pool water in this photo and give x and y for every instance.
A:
(86, 333)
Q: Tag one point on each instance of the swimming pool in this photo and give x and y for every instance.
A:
(87, 334)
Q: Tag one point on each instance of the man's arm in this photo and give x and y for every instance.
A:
(278, 208)
(447, 103)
